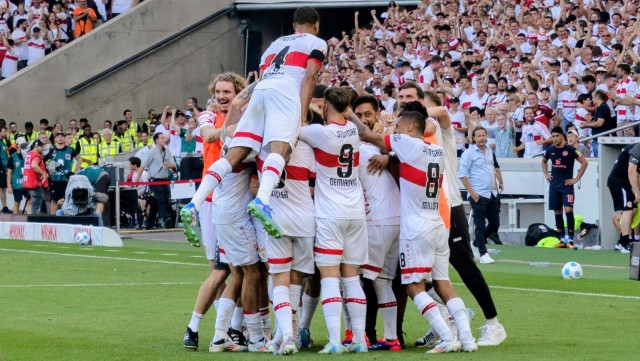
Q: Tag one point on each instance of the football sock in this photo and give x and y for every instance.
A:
(215, 173)
(196, 318)
(332, 307)
(570, 225)
(429, 310)
(223, 318)
(282, 308)
(356, 302)
(457, 310)
(388, 307)
(265, 319)
(560, 225)
(493, 321)
(252, 318)
(309, 305)
(624, 240)
(441, 307)
(215, 305)
(236, 320)
(345, 310)
(271, 171)
(294, 298)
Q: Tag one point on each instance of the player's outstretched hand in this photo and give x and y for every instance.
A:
(377, 164)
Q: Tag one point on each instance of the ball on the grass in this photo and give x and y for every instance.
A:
(82, 238)
(571, 270)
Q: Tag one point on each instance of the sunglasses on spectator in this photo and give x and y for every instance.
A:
(606, 36)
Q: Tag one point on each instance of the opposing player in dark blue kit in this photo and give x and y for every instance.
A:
(561, 180)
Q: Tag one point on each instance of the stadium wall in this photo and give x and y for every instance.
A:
(165, 77)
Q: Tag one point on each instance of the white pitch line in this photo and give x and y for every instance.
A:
(515, 261)
(112, 250)
(141, 252)
(105, 257)
(588, 294)
(104, 284)
(168, 254)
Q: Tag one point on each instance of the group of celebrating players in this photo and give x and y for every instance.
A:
(326, 198)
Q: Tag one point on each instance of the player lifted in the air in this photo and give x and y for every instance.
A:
(289, 70)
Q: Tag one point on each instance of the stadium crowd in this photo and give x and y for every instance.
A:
(31, 29)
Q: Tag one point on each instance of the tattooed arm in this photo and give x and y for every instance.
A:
(365, 133)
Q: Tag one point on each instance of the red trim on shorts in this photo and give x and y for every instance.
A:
(249, 135)
(388, 304)
(361, 301)
(412, 174)
(332, 299)
(280, 305)
(331, 160)
(297, 58)
(280, 260)
(428, 307)
(405, 271)
(371, 268)
(334, 252)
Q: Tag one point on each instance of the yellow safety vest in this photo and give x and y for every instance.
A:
(133, 129)
(88, 152)
(110, 149)
(126, 142)
(141, 144)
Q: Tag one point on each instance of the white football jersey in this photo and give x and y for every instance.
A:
(381, 193)
(284, 63)
(421, 174)
(448, 142)
(232, 195)
(338, 193)
(293, 210)
(206, 118)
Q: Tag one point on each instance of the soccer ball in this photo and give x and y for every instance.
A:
(82, 238)
(571, 270)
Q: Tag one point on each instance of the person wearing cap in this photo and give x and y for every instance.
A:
(63, 158)
(35, 45)
(573, 139)
(14, 176)
(124, 137)
(87, 147)
(35, 178)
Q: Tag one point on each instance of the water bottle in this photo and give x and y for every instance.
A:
(493, 251)
(540, 264)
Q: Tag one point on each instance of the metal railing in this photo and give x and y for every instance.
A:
(147, 51)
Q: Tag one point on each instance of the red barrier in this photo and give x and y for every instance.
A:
(160, 183)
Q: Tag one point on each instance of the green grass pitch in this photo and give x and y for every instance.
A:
(68, 302)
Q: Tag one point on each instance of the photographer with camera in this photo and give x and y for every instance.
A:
(60, 168)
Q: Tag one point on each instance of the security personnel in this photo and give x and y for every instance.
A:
(124, 137)
(134, 129)
(144, 140)
(44, 127)
(108, 147)
(87, 147)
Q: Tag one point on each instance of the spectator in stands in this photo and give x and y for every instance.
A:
(534, 135)
(120, 6)
(134, 165)
(11, 57)
(20, 41)
(193, 110)
(480, 174)
(87, 147)
(505, 136)
(62, 164)
(85, 19)
(602, 121)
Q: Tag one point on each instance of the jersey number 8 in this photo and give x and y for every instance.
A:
(433, 180)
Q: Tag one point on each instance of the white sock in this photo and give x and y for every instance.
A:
(388, 307)
(253, 325)
(270, 289)
(215, 304)
(332, 307)
(282, 309)
(294, 298)
(441, 307)
(493, 321)
(265, 319)
(429, 310)
(215, 173)
(271, 171)
(459, 313)
(309, 305)
(223, 318)
(345, 310)
(196, 318)
(236, 320)
(357, 305)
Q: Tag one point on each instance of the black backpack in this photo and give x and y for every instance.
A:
(538, 231)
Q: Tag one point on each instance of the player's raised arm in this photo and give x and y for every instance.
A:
(309, 82)
(365, 133)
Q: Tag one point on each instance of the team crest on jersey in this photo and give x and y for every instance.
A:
(67, 156)
(396, 137)
(565, 153)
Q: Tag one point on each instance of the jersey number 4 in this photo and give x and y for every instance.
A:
(346, 159)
